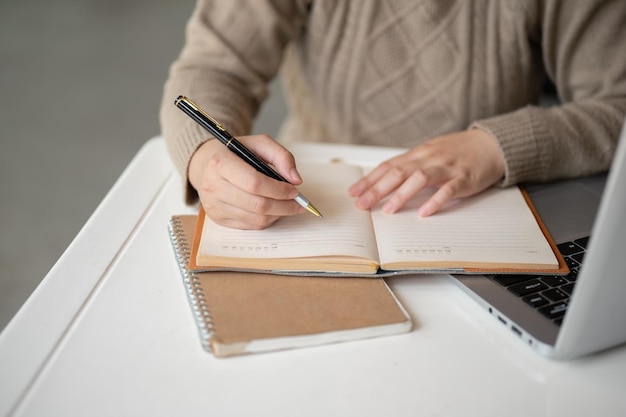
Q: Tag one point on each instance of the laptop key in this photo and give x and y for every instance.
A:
(554, 311)
(555, 294)
(571, 262)
(573, 274)
(568, 288)
(507, 280)
(528, 287)
(582, 242)
(553, 280)
(569, 248)
(536, 300)
(578, 257)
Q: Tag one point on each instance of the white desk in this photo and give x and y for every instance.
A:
(109, 333)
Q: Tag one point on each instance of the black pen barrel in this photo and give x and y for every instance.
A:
(248, 156)
(223, 136)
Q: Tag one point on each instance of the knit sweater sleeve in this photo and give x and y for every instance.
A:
(582, 44)
(233, 48)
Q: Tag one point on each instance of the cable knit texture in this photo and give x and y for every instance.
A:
(396, 73)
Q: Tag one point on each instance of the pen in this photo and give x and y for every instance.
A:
(192, 110)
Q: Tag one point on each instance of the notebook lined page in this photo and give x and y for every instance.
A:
(497, 221)
(344, 230)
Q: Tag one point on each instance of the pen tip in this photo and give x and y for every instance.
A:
(313, 210)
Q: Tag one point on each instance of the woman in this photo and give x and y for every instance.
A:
(458, 82)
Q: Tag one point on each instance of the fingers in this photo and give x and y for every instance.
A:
(275, 154)
(458, 165)
(380, 186)
(415, 183)
(449, 189)
(444, 194)
(225, 214)
(240, 176)
(234, 194)
(365, 183)
(409, 186)
(246, 200)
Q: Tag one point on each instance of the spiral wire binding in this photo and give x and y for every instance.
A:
(193, 288)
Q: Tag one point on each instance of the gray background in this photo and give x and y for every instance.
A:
(80, 84)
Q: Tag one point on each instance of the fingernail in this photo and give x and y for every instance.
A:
(389, 208)
(295, 175)
(425, 210)
(362, 203)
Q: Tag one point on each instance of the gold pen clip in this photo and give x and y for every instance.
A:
(199, 110)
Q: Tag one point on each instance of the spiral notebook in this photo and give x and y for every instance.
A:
(245, 312)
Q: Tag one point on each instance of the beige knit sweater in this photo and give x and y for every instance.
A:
(396, 73)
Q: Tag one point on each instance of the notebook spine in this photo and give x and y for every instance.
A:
(192, 284)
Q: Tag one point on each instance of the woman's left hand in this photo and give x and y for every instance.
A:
(459, 165)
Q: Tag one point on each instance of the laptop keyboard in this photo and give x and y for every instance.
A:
(549, 294)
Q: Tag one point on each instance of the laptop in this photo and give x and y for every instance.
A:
(583, 313)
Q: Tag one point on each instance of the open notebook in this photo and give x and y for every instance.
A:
(495, 231)
(238, 313)
(584, 312)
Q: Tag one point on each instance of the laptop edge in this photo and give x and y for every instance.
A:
(596, 316)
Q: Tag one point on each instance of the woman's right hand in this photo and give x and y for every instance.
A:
(234, 194)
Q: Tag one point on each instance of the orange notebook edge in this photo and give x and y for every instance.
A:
(195, 243)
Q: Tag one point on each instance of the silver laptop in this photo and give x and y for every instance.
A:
(585, 312)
